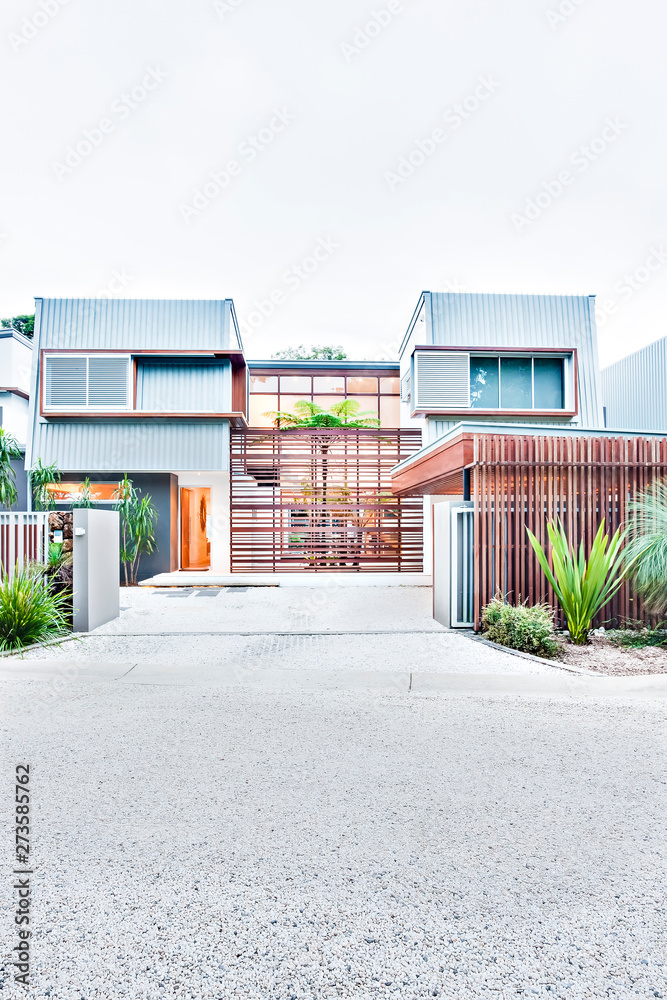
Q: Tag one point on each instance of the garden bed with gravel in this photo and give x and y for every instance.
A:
(605, 655)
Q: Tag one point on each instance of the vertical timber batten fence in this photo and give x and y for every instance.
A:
(321, 501)
(525, 481)
(24, 539)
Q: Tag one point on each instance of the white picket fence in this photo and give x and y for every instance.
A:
(24, 538)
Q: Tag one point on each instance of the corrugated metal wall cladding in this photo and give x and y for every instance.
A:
(177, 387)
(133, 324)
(461, 319)
(634, 390)
(137, 446)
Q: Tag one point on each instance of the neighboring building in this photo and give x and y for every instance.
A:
(15, 365)
(634, 390)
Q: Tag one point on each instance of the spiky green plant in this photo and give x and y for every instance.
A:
(137, 523)
(85, 495)
(29, 610)
(41, 476)
(582, 586)
(57, 557)
(9, 451)
(647, 547)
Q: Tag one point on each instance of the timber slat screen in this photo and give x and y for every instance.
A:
(321, 500)
(519, 482)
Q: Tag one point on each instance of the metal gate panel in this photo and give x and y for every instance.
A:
(321, 501)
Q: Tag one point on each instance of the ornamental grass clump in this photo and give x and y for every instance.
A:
(648, 546)
(582, 586)
(529, 630)
(29, 610)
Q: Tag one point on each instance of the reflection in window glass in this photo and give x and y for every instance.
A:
(361, 383)
(295, 383)
(368, 405)
(390, 411)
(326, 383)
(516, 383)
(264, 383)
(484, 383)
(390, 385)
(288, 403)
(257, 407)
(549, 384)
(326, 402)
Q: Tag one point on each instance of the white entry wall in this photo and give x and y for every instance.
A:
(218, 482)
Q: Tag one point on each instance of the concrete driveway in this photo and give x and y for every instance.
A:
(291, 826)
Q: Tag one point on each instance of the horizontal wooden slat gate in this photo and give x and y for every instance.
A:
(519, 482)
(321, 501)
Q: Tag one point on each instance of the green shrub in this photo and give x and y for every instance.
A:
(640, 636)
(530, 630)
(29, 611)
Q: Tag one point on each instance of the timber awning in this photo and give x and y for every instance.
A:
(436, 469)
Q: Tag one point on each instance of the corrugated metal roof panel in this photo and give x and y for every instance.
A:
(466, 319)
(134, 445)
(136, 324)
(634, 389)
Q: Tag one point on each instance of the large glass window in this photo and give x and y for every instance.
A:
(548, 383)
(484, 383)
(377, 395)
(361, 383)
(390, 411)
(517, 383)
(264, 383)
(390, 386)
(326, 383)
(295, 383)
(257, 407)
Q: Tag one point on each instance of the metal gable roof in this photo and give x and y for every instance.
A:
(136, 324)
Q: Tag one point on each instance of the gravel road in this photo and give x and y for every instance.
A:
(206, 842)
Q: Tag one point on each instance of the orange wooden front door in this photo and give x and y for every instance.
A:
(195, 512)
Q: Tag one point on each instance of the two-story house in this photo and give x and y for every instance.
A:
(148, 388)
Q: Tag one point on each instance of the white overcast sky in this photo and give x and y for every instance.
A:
(353, 115)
